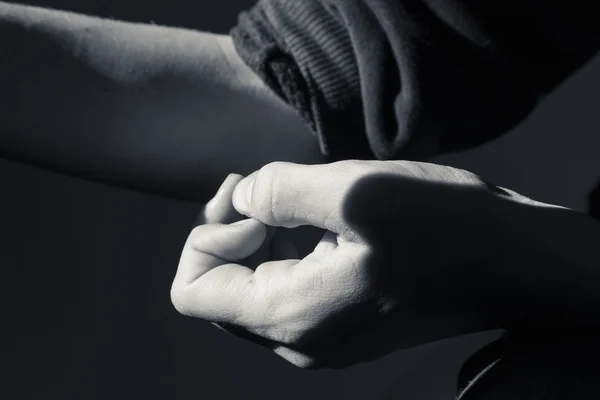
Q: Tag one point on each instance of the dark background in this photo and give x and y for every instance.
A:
(87, 268)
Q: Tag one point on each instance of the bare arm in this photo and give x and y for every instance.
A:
(164, 110)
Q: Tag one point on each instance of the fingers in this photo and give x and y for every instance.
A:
(272, 302)
(211, 285)
(290, 195)
(209, 246)
(207, 284)
(220, 208)
(208, 257)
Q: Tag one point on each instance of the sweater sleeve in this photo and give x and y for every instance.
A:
(389, 79)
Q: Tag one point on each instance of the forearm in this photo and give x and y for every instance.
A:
(165, 110)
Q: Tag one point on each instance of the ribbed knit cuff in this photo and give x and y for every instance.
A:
(302, 51)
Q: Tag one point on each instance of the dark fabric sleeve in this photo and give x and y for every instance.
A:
(388, 79)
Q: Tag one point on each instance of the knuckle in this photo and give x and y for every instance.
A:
(265, 195)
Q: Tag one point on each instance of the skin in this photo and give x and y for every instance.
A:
(162, 110)
(412, 253)
(220, 210)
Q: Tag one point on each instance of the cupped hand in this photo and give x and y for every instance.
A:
(413, 253)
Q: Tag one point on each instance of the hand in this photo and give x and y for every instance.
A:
(220, 210)
(413, 253)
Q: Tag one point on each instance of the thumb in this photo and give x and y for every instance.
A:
(289, 195)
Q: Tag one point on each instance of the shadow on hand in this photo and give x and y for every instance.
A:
(450, 259)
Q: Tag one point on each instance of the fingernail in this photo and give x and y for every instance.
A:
(242, 195)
